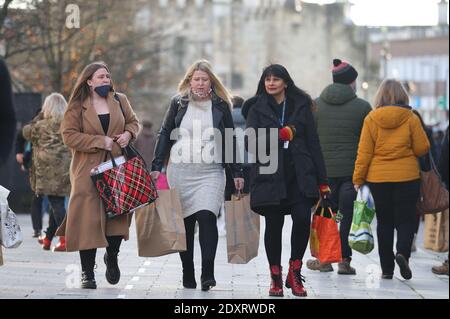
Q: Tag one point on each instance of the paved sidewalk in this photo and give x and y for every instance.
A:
(30, 273)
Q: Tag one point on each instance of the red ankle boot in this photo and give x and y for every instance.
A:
(45, 242)
(295, 279)
(61, 246)
(276, 287)
(41, 239)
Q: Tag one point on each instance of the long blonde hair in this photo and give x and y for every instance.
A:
(391, 92)
(54, 106)
(184, 88)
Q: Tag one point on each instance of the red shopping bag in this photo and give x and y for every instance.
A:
(325, 242)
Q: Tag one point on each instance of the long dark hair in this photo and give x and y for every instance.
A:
(279, 71)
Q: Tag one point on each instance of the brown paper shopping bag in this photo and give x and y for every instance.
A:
(243, 227)
(436, 231)
(160, 226)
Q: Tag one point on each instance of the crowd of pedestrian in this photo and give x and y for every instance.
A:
(326, 149)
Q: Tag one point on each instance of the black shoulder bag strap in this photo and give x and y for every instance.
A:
(130, 150)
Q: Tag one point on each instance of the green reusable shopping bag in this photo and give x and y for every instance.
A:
(361, 237)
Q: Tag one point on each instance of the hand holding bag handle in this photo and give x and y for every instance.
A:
(125, 152)
(113, 161)
(239, 195)
(323, 210)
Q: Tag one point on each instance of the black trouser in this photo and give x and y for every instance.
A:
(395, 210)
(301, 217)
(88, 256)
(56, 216)
(209, 238)
(343, 195)
(36, 212)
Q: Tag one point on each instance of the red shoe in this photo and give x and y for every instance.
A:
(276, 287)
(45, 242)
(295, 279)
(61, 245)
(41, 239)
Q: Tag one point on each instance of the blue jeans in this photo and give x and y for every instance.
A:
(56, 216)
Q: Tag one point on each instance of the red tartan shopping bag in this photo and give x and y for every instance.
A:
(325, 241)
(124, 183)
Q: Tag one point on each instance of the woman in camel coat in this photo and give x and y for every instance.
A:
(93, 124)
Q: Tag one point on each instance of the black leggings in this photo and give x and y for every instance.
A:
(396, 210)
(88, 256)
(301, 217)
(209, 238)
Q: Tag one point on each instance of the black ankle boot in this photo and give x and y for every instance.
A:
(112, 268)
(208, 280)
(189, 279)
(207, 284)
(403, 263)
(88, 280)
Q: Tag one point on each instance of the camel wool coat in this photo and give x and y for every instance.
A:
(86, 225)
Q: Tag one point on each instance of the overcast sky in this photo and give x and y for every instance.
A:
(381, 12)
(389, 12)
(395, 12)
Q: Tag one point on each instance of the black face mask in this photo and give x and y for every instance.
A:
(103, 90)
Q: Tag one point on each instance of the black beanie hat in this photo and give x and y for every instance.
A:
(343, 72)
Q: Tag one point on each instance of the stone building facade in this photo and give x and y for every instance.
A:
(240, 37)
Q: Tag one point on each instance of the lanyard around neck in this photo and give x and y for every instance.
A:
(283, 114)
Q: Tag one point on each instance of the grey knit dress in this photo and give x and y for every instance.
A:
(194, 169)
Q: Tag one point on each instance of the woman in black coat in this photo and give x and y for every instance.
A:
(443, 171)
(300, 177)
(7, 114)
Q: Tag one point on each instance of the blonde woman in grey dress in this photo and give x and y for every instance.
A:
(197, 162)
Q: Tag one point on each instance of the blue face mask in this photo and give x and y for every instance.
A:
(103, 90)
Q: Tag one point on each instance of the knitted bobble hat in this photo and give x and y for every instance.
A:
(343, 72)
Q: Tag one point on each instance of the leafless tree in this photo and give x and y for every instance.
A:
(4, 13)
(47, 56)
